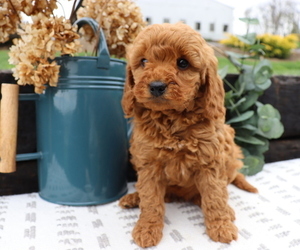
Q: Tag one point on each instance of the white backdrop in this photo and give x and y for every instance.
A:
(268, 220)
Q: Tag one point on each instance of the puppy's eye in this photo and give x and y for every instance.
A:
(182, 63)
(143, 62)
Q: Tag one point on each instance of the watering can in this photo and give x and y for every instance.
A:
(82, 137)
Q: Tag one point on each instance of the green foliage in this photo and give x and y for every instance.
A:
(4, 60)
(254, 123)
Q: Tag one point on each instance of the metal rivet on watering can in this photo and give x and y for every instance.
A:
(82, 132)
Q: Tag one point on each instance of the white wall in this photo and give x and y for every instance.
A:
(206, 12)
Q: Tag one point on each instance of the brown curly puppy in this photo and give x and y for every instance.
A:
(181, 146)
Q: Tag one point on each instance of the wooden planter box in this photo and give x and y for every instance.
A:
(284, 94)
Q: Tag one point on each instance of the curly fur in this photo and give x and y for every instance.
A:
(181, 146)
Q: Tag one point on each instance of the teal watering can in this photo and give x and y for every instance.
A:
(81, 130)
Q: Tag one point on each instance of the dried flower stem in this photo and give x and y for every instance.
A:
(75, 7)
(14, 9)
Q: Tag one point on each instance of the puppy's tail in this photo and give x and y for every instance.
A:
(241, 183)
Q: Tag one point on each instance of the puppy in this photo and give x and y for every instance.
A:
(181, 147)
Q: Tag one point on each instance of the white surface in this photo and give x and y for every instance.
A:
(268, 220)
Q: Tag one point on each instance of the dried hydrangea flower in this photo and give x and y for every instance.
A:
(10, 13)
(33, 7)
(121, 21)
(39, 42)
(9, 20)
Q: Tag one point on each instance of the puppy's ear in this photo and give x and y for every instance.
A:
(213, 91)
(128, 99)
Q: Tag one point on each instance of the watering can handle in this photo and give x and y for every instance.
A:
(103, 53)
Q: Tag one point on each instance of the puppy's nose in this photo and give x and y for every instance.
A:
(157, 88)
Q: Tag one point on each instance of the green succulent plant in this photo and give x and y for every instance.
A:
(254, 123)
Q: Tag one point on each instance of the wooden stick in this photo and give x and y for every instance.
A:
(8, 127)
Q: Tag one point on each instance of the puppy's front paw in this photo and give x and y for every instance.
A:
(222, 231)
(130, 200)
(231, 213)
(147, 234)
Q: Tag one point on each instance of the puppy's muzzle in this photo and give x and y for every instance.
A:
(157, 88)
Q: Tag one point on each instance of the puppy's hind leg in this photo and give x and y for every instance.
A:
(130, 200)
(133, 200)
(241, 183)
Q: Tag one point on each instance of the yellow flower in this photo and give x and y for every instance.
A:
(277, 52)
(267, 46)
(278, 46)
